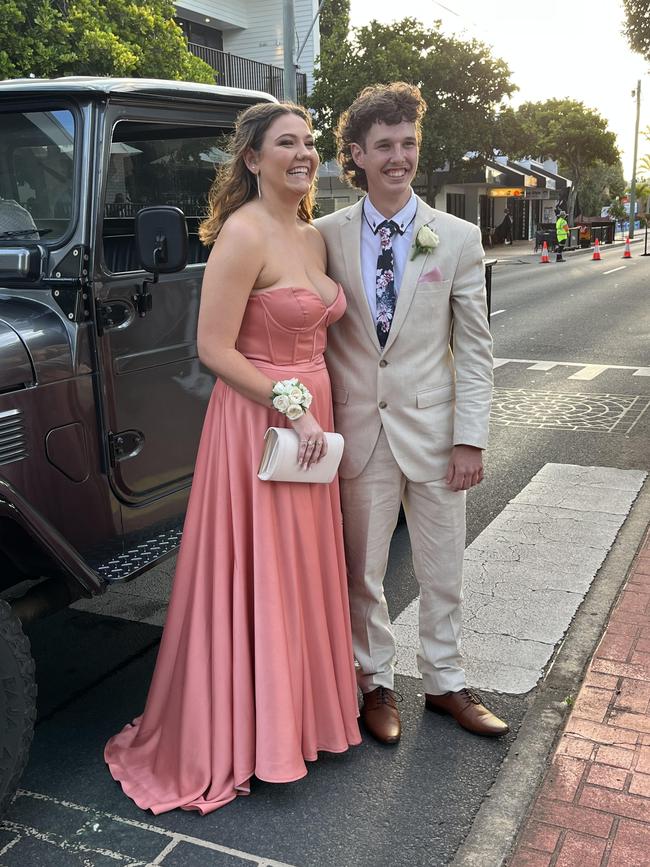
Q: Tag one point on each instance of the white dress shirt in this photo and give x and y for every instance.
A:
(370, 246)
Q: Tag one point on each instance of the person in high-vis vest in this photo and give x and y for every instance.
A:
(562, 233)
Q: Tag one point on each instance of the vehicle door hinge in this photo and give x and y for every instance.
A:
(143, 299)
(124, 444)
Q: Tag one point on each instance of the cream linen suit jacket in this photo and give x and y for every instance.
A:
(426, 397)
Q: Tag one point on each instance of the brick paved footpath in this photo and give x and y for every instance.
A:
(593, 807)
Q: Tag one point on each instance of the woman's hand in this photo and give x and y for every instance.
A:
(313, 445)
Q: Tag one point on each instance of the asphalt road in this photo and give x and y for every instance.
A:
(411, 805)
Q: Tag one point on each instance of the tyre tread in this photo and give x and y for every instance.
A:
(22, 703)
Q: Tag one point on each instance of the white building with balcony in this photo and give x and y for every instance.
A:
(227, 33)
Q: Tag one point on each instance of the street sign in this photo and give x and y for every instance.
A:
(505, 192)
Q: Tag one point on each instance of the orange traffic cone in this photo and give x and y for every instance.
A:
(596, 256)
(627, 253)
(544, 256)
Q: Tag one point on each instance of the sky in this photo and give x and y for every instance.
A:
(554, 48)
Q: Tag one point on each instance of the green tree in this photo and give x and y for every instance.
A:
(618, 212)
(637, 25)
(601, 183)
(461, 81)
(48, 38)
(561, 129)
(333, 64)
(334, 20)
(643, 196)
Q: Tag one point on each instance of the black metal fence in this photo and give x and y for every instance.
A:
(235, 71)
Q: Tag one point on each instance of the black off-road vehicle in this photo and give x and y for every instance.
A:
(102, 397)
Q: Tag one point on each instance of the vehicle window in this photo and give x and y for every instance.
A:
(37, 184)
(152, 164)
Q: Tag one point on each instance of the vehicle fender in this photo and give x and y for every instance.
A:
(64, 558)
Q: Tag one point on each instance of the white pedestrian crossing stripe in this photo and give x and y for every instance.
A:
(586, 370)
(527, 573)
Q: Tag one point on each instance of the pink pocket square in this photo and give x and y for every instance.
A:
(432, 276)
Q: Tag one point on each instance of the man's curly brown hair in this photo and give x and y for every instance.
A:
(385, 103)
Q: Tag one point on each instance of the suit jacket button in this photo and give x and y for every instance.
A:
(383, 362)
(382, 404)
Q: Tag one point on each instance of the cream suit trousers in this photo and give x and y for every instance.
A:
(435, 517)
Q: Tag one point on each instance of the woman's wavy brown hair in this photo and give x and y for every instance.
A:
(385, 103)
(235, 184)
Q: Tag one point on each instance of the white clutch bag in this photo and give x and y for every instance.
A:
(280, 458)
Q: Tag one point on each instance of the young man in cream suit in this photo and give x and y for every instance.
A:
(414, 415)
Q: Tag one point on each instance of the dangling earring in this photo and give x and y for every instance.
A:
(259, 188)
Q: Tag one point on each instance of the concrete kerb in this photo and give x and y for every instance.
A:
(494, 831)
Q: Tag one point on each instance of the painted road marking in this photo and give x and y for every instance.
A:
(496, 312)
(613, 270)
(543, 365)
(169, 840)
(528, 571)
(537, 364)
(590, 371)
(552, 410)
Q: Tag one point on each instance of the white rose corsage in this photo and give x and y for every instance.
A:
(426, 240)
(291, 398)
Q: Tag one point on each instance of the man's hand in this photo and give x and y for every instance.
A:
(465, 468)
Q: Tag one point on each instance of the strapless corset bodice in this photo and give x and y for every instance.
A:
(287, 326)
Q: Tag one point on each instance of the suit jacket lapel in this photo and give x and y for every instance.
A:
(424, 216)
(350, 229)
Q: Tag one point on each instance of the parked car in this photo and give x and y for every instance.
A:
(102, 396)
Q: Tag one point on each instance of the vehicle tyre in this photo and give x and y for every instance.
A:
(17, 702)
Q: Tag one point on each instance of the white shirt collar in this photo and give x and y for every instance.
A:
(403, 218)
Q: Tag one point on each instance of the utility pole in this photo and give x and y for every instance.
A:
(636, 147)
(288, 36)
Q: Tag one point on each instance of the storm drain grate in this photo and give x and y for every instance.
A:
(606, 413)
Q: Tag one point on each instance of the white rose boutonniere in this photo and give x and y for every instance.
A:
(426, 240)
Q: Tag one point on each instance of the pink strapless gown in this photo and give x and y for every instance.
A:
(255, 669)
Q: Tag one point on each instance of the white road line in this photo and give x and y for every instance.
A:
(613, 270)
(165, 852)
(528, 571)
(496, 312)
(537, 364)
(590, 371)
(638, 417)
(259, 860)
(543, 365)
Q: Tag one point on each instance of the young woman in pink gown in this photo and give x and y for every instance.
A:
(255, 670)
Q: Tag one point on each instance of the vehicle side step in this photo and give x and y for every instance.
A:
(139, 558)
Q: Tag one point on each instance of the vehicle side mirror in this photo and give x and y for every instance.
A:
(161, 239)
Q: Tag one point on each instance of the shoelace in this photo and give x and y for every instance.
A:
(389, 696)
(471, 696)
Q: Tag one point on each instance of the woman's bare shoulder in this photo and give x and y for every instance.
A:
(243, 224)
(314, 237)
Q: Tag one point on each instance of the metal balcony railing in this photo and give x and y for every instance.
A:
(235, 71)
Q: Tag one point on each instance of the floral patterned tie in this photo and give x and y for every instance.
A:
(385, 281)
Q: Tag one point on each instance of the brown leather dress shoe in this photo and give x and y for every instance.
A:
(380, 716)
(469, 711)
